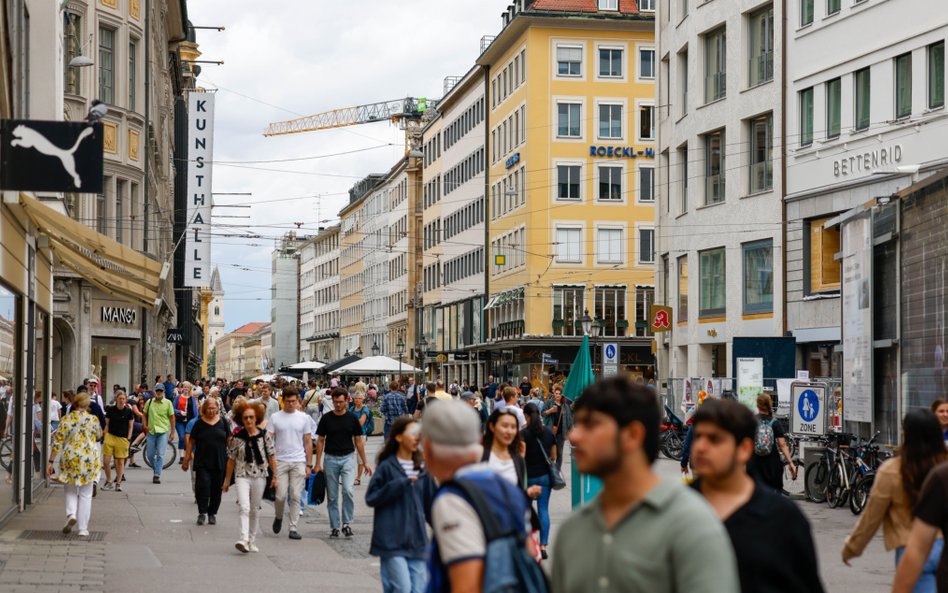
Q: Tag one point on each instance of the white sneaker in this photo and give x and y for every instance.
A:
(108, 486)
(70, 523)
(83, 534)
(242, 546)
(253, 547)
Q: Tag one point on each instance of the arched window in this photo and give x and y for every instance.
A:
(217, 310)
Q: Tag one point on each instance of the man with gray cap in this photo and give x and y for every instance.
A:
(451, 439)
(472, 400)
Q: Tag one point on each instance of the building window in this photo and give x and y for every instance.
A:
(806, 12)
(714, 168)
(72, 47)
(834, 104)
(646, 246)
(761, 167)
(861, 91)
(712, 291)
(567, 310)
(120, 186)
(610, 309)
(132, 73)
(715, 82)
(608, 4)
(683, 81)
(806, 117)
(610, 63)
(761, 66)
(683, 288)
(647, 5)
(683, 179)
(569, 61)
(610, 121)
(101, 211)
(567, 182)
(936, 75)
(609, 246)
(568, 120)
(569, 243)
(646, 63)
(832, 6)
(106, 65)
(824, 267)
(646, 122)
(610, 183)
(644, 298)
(758, 277)
(903, 85)
(646, 184)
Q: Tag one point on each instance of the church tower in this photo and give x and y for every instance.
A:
(215, 310)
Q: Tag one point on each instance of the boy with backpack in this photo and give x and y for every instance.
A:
(769, 441)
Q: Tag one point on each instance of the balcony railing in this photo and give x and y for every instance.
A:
(761, 68)
(714, 189)
(762, 176)
(715, 86)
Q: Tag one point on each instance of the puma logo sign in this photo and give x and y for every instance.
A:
(30, 138)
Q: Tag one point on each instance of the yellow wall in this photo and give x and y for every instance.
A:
(542, 149)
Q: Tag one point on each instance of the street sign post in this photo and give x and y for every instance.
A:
(610, 359)
(808, 409)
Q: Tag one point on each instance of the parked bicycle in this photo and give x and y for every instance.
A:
(671, 436)
(6, 454)
(839, 474)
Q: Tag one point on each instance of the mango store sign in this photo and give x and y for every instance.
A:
(197, 245)
(621, 152)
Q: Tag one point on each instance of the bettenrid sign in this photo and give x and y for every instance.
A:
(197, 243)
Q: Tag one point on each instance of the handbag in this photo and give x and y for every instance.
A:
(557, 482)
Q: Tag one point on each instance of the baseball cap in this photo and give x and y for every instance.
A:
(160, 387)
(93, 379)
(468, 395)
(451, 422)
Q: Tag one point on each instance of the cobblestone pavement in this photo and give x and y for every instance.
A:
(150, 543)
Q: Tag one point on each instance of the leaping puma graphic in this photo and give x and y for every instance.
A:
(30, 138)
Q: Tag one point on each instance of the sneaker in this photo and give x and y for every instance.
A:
(212, 519)
(242, 546)
(201, 519)
(295, 535)
(107, 486)
(118, 487)
(334, 533)
(123, 478)
(83, 534)
(277, 524)
(70, 523)
(346, 530)
(156, 480)
(135, 465)
(253, 547)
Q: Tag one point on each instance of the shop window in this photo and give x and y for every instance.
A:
(567, 310)
(610, 310)
(824, 267)
(644, 298)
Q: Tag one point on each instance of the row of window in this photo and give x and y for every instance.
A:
(467, 217)
(512, 75)
(397, 231)
(464, 266)
(808, 10)
(610, 62)
(512, 247)
(431, 234)
(608, 182)
(352, 316)
(610, 120)
(326, 322)
(432, 276)
(119, 212)
(464, 123)
(509, 193)
(610, 244)
(398, 266)
(397, 303)
(464, 171)
(432, 149)
(934, 85)
(397, 194)
(609, 308)
(509, 134)
(756, 285)
(431, 194)
(107, 63)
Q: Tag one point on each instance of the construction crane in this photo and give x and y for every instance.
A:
(408, 114)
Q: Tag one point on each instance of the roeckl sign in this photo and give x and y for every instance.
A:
(197, 244)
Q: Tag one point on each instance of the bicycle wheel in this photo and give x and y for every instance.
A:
(171, 455)
(6, 454)
(815, 479)
(860, 493)
(835, 488)
(673, 445)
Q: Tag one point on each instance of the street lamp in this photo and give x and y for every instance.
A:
(400, 349)
(423, 349)
(375, 349)
(586, 322)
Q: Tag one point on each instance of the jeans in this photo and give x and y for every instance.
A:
(926, 581)
(207, 490)
(340, 467)
(180, 427)
(403, 575)
(560, 443)
(249, 495)
(157, 445)
(79, 503)
(291, 476)
(543, 506)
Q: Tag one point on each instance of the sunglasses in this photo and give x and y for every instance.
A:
(250, 417)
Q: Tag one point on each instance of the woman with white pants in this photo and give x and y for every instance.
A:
(77, 437)
(250, 453)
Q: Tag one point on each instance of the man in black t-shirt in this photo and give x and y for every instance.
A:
(119, 424)
(340, 435)
(931, 516)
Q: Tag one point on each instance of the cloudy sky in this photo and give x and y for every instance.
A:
(289, 58)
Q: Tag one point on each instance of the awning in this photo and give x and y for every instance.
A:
(112, 267)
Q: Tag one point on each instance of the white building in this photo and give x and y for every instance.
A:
(319, 296)
(215, 309)
(865, 118)
(719, 210)
(284, 305)
(452, 283)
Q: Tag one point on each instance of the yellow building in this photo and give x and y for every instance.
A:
(571, 103)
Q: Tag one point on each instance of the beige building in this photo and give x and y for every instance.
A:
(232, 359)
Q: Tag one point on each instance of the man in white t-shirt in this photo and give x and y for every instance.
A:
(293, 441)
(511, 396)
(55, 408)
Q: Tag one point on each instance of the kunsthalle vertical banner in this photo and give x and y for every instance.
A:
(197, 243)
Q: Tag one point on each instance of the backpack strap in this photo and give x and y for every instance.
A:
(472, 493)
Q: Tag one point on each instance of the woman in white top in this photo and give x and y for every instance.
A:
(504, 449)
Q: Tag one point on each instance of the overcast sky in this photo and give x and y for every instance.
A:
(288, 58)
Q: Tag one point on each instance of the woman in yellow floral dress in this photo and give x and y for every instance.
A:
(77, 437)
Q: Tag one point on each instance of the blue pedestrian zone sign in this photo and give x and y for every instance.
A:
(610, 352)
(808, 405)
(807, 409)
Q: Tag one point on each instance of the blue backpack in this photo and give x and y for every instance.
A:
(508, 567)
(369, 423)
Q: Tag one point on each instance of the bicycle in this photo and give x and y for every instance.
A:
(171, 455)
(817, 474)
(6, 454)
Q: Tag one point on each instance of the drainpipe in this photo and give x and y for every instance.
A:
(147, 184)
(485, 318)
(783, 160)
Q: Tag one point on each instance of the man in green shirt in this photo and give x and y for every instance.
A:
(158, 423)
(641, 534)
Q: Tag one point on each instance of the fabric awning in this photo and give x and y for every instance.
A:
(114, 268)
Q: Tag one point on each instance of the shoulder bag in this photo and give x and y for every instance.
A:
(557, 482)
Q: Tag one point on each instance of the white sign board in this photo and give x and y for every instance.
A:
(610, 359)
(750, 381)
(808, 409)
(197, 242)
(857, 318)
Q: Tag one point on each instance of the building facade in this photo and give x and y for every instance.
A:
(319, 297)
(284, 302)
(215, 309)
(352, 250)
(719, 216)
(570, 161)
(234, 356)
